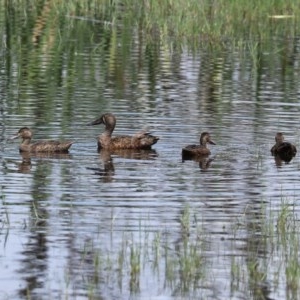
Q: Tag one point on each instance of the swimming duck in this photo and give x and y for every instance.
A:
(283, 148)
(140, 140)
(41, 146)
(198, 150)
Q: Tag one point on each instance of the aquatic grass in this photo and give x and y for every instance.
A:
(193, 23)
(285, 218)
(208, 21)
(185, 266)
(237, 273)
(292, 265)
(183, 260)
(135, 266)
(156, 247)
(192, 263)
(7, 219)
(6, 222)
(271, 248)
(109, 31)
(185, 220)
(288, 229)
(284, 241)
(266, 239)
(39, 214)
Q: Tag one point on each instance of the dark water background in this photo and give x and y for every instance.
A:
(91, 225)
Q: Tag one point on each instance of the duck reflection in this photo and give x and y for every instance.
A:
(142, 154)
(281, 159)
(26, 165)
(204, 161)
(107, 172)
(51, 155)
(34, 261)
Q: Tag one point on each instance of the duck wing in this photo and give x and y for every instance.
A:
(51, 146)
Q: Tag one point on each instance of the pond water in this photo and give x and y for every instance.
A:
(146, 224)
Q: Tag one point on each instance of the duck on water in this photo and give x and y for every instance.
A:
(52, 146)
(140, 140)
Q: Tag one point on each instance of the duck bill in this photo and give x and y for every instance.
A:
(13, 137)
(211, 142)
(95, 122)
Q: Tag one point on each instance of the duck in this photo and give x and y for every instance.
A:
(40, 146)
(140, 140)
(283, 148)
(192, 151)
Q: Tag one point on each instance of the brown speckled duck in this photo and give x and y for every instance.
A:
(191, 151)
(40, 146)
(140, 140)
(283, 148)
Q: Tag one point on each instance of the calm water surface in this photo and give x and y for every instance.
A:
(145, 224)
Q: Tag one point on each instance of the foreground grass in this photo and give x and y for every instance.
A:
(272, 258)
(190, 264)
(257, 255)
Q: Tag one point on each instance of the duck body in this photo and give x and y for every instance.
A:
(140, 140)
(52, 146)
(193, 151)
(143, 141)
(283, 148)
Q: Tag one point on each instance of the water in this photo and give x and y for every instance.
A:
(145, 224)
